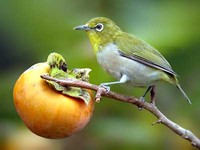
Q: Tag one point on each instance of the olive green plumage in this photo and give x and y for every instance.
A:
(126, 57)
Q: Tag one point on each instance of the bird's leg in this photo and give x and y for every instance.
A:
(153, 95)
(142, 98)
(123, 79)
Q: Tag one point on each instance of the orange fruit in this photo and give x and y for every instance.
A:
(45, 111)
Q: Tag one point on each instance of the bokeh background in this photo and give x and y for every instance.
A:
(31, 29)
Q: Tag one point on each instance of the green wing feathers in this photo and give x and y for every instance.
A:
(142, 52)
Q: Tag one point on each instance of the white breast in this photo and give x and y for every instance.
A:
(116, 65)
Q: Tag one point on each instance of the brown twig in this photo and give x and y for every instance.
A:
(184, 133)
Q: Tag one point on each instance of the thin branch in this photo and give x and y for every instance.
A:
(184, 133)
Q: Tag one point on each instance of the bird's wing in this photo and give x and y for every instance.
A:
(142, 52)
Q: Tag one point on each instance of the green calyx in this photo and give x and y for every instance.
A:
(59, 70)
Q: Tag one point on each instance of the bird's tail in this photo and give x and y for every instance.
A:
(184, 94)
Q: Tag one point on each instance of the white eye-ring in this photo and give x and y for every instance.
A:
(99, 27)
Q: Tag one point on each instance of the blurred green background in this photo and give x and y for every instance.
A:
(31, 29)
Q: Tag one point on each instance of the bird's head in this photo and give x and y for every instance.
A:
(101, 31)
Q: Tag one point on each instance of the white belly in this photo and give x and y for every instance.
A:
(138, 74)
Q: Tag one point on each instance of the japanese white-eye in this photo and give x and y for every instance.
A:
(128, 58)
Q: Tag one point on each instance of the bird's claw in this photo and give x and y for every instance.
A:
(105, 87)
(142, 99)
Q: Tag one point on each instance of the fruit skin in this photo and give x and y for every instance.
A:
(46, 112)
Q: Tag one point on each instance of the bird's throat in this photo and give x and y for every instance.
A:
(95, 42)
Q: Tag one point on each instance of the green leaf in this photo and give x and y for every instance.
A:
(59, 70)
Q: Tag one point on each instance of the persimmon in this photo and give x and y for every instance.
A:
(45, 111)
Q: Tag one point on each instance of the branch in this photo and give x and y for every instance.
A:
(184, 133)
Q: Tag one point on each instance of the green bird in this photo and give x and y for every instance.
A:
(127, 58)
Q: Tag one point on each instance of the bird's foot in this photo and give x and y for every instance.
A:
(102, 85)
(142, 99)
(100, 91)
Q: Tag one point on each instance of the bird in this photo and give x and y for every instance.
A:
(127, 58)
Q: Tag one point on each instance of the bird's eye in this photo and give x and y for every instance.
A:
(99, 27)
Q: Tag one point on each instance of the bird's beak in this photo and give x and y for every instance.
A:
(82, 27)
